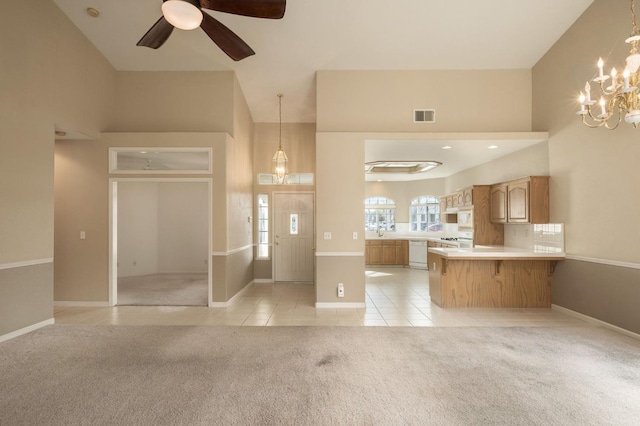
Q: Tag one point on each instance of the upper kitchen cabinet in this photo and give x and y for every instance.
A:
(498, 196)
(521, 201)
(467, 197)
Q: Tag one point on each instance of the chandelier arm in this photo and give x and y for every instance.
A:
(592, 126)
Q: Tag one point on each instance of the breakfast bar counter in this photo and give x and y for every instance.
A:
(491, 277)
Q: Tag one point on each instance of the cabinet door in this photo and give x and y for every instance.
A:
(467, 197)
(375, 255)
(498, 197)
(449, 200)
(402, 253)
(389, 254)
(518, 196)
(443, 207)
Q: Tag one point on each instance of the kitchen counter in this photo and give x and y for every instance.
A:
(491, 277)
(497, 253)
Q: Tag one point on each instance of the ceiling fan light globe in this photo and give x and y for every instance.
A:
(182, 14)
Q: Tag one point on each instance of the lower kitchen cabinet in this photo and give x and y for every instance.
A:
(386, 252)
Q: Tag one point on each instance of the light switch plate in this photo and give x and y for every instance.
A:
(355, 235)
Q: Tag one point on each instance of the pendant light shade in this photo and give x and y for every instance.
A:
(280, 159)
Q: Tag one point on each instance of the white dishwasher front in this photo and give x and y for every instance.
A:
(418, 254)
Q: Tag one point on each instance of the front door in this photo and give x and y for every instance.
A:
(293, 237)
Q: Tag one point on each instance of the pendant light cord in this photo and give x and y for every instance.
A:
(280, 95)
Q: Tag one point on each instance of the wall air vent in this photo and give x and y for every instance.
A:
(424, 115)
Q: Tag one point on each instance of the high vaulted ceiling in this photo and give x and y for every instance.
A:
(334, 35)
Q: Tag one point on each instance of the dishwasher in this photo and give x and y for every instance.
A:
(418, 254)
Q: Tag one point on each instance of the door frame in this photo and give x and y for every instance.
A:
(113, 230)
(273, 230)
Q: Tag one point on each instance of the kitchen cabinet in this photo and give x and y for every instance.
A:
(496, 283)
(449, 201)
(498, 197)
(386, 252)
(477, 198)
(521, 201)
(457, 199)
(467, 197)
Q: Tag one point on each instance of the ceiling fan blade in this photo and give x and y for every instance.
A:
(157, 34)
(226, 39)
(271, 9)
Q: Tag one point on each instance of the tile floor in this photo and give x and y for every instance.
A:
(394, 297)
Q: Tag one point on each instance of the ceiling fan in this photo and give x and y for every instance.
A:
(187, 15)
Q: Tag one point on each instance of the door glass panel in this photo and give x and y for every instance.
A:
(293, 224)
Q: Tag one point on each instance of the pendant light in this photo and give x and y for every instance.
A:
(280, 158)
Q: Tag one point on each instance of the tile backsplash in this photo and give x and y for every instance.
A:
(541, 237)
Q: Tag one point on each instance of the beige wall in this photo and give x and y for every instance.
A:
(50, 75)
(383, 101)
(82, 203)
(339, 210)
(170, 101)
(299, 143)
(594, 172)
(532, 161)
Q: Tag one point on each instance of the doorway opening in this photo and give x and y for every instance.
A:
(160, 241)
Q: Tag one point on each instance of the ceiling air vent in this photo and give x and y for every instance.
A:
(424, 115)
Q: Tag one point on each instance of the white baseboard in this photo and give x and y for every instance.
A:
(233, 300)
(263, 281)
(338, 305)
(81, 303)
(26, 330)
(594, 321)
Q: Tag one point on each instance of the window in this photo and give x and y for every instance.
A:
(263, 226)
(425, 214)
(160, 160)
(379, 213)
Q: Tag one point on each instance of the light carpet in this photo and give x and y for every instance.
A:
(164, 290)
(198, 375)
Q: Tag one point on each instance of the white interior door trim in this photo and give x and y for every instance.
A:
(113, 230)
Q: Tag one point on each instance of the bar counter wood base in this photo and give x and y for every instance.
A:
(504, 283)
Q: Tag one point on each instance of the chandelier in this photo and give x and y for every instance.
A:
(280, 160)
(619, 94)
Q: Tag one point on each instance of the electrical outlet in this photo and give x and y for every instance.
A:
(327, 235)
(340, 290)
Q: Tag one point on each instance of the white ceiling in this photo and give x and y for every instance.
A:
(334, 35)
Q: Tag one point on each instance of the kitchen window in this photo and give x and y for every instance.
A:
(379, 214)
(424, 214)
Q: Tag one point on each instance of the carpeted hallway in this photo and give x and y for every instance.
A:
(196, 375)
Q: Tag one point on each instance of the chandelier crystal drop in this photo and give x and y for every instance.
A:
(619, 93)
(280, 159)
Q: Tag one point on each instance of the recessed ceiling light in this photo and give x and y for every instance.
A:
(493, 146)
(93, 12)
(60, 133)
(447, 147)
(379, 180)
